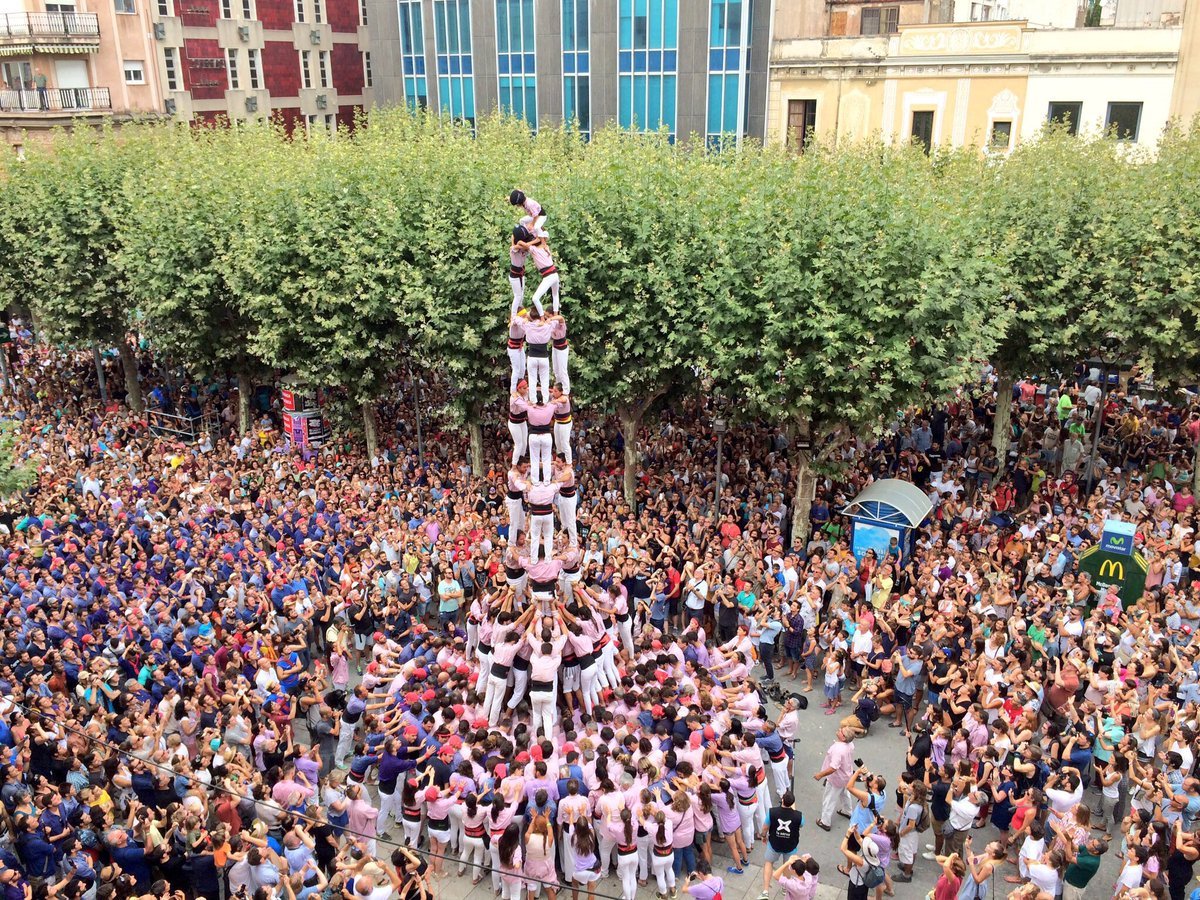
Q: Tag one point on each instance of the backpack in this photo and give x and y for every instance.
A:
(873, 877)
(923, 820)
(336, 699)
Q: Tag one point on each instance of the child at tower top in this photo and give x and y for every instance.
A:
(532, 208)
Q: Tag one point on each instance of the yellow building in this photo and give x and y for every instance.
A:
(985, 84)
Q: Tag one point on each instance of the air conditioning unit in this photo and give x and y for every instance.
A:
(322, 101)
(315, 36)
(251, 104)
(170, 107)
(160, 31)
(244, 32)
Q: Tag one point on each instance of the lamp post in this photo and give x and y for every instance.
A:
(720, 426)
(1108, 363)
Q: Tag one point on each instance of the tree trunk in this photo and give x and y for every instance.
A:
(802, 505)
(370, 429)
(96, 358)
(133, 388)
(475, 431)
(1004, 386)
(631, 421)
(1196, 470)
(245, 388)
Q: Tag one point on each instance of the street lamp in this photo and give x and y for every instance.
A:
(1108, 363)
(720, 426)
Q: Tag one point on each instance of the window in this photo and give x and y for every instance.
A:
(516, 59)
(235, 81)
(318, 13)
(125, 7)
(455, 67)
(226, 9)
(164, 8)
(300, 11)
(368, 79)
(801, 124)
(728, 47)
(305, 70)
(1001, 136)
(331, 123)
(1066, 113)
(922, 129)
(647, 60)
(323, 68)
(576, 44)
(171, 64)
(247, 9)
(1124, 119)
(980, 12)
(252, 68)
(412, 54)
(362, 12)
(880, 20)
(135, 72)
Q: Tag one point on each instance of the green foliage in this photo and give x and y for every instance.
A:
(15, 474)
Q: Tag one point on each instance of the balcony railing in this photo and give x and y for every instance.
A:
(56, 100)
(49, 27)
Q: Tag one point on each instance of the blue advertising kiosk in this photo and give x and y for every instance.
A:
(885, 510)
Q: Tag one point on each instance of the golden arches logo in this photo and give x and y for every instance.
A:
(1112, 569)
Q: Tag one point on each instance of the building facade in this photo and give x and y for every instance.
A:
(303, 62)
(985, 83)
(683, 66)
(73, 61)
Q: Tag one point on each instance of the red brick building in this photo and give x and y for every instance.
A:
(305, 62)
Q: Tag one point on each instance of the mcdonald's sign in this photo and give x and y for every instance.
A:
(1113, 569)
(1127, 572)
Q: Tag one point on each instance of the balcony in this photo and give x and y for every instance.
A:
(52, 32)
(56, 102)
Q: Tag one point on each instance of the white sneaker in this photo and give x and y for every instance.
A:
(930, 855)
(929, 846)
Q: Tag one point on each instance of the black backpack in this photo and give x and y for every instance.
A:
(336, 699)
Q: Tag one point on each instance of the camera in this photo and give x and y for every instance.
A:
(858, 763)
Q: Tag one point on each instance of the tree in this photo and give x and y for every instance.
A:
(173, 249)
(1037, 211)
(15, 475)
(628, 230)
(1148, 237)
(326, 270)
(845, 292)
(68, 203)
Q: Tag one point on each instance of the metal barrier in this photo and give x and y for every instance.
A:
(184, 428)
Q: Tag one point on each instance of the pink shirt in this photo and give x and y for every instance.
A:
(541, 256)
(840, 758)
(543, 494)
(539, 414)
(543, 570)
(517, 256)
(543, 667)
(536, 332)
(560, 328)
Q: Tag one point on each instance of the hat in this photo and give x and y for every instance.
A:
(419, 674)
(568, 747)
(522, 758)
(378, 637)
(458, 710)
(446, 750)
(695, 738)
(501, 770)
(870, 852)
(429, 695)
(432, 794)
(709, 734)
(411, 731)
(536, 753)
(657, 712)
(479, 723)
(1054, 538)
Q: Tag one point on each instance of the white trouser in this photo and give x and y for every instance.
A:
(455, 815)
(520, 436)
(412, 832)
(516, 359)
(764, 804)
(644, 842)
(588, 687)
(518, 289)
(780, 773)
(541, 531)
(558, 360)
(627, 864)
(549, 283)
(605, 850)
(472, 637)
(562, 441)
(746, 814)
(664, 872)
(537, 369)
(544, 601)
(518, 586)
(543, 712)
(609, 676)
(472, 853)
(833, 800)
(566, 584)
(345, 742)
(520, 678)
(625, 629)
(389, 805)
(567, 518)
(516, 517)
(541, 456)
(567, 857)
(493, 702)
(494, 852)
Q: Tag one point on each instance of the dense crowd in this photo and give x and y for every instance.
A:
(232, 668)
